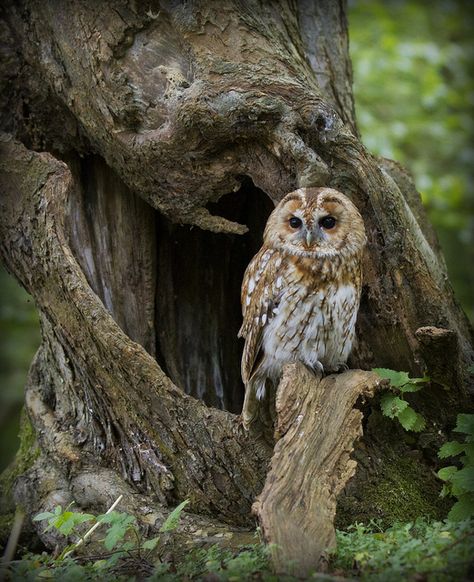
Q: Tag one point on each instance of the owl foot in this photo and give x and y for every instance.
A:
(317, 368)
(341, 368)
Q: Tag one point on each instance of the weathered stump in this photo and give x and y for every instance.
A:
(317, 424)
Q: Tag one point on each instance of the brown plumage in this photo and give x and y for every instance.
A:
(301, 291)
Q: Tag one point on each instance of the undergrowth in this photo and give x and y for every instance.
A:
(423, 550)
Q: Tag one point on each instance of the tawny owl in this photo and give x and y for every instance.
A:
(301, 291)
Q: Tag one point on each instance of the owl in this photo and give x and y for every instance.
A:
(301, 291)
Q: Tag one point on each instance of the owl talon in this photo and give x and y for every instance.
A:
(317, 368)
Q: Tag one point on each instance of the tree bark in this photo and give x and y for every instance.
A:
(170, 114)
(94, 393)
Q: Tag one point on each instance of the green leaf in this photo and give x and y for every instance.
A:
(397, 379)
(59, 522)
(120, 523)
(407, 418)
(401, 380)
(420, 423)
(446, 473)
(465, 424)
(464, 479)
(151, 544)
(451, 449)
(423, 380)
(43, 516)
(115, 517)
(469, 450)
(410, 387)
(392, 405)
(445, 490)
(70, 520)
(172, 520)
(463, 508)
(64, 522)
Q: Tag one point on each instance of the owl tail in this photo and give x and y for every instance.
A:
(258, 412)
(251, 404)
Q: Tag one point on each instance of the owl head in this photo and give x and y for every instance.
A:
(316, 222)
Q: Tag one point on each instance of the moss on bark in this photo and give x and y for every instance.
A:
(26, 455)
(394, 481)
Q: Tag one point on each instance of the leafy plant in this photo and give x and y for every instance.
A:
(242, 563)
(123, 541)
(437, 551)
(393, 403)
(227, 565)
(64, 521)
(459, 482)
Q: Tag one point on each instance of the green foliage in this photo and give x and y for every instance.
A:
(125, 550)
(394, 405)
(226, 565)
(171, 522)
(64, 521)
(439, 551)
(119, 525)
(413, 85)
(465, 424)
(459, 480)
(123, 542)
(19, 339)
(436, 552)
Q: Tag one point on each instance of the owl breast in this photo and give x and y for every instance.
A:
(314, 326)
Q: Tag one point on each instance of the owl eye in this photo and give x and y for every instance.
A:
(327, 222)
(295, 222)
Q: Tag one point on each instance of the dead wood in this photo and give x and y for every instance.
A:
(317, 426)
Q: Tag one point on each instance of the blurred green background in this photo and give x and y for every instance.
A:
(414, 93)
(19, 340)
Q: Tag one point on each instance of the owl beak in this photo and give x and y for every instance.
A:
(309, 238)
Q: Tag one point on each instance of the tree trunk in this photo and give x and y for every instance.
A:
(168, 116)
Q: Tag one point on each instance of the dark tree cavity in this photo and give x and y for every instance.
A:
(145, 145)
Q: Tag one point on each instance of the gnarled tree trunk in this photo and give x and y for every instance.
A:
(171, 129)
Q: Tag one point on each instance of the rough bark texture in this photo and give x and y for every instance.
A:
(317, 426)
(92, 392)
(183, 100)
(159, 110)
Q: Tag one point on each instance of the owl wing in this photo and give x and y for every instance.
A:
(261, 289)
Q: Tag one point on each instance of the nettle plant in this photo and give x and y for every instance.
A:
(394, 404)
(459, 480)
(122, 538)
(126, 555)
